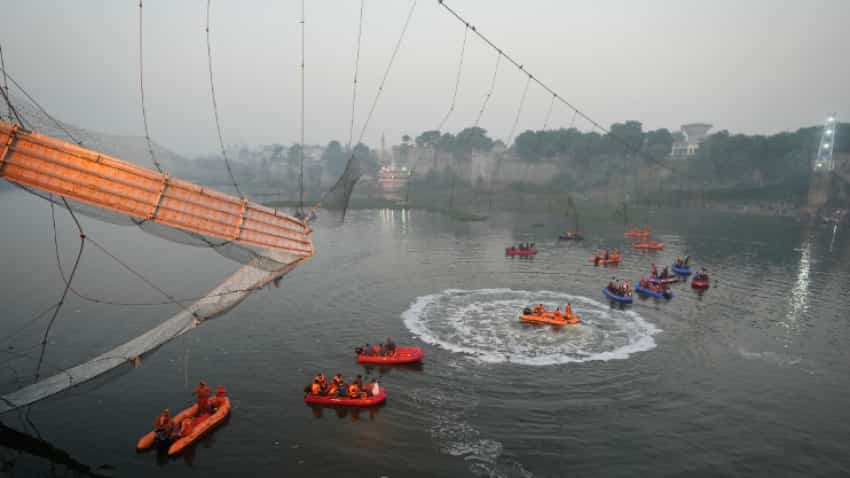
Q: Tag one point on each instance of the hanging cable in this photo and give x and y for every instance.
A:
(349, 177)
(64, 292)
(215, 106)
(573, 121)
(457, 79)
(548, 113)
(519, 111)
(5, 85)
(492, 87)
(356, 72)
(32, 100)
(635, 148)
(387, 72)
(300, 212)
(142, 93)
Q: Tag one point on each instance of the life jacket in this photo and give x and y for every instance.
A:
(163, 422)
(203, 392)
(376, 349)
(316, 389)
(568, 310)
(333, 390)
(337, 380)
(354, 391)
(185, 427)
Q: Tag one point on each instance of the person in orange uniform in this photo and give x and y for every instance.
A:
(316, 388)
(568, 311)
(557, 314)
(163, 424)
(203, 393)
(353, 391)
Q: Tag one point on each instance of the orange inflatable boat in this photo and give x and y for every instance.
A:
(652, 245)
(637, 233)
(612, 259)
(149, 439)
(200, 424)
(550, 318)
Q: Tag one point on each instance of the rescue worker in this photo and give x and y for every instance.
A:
(606, 254)
(333, 390)
(316, 388)
(568, 310)
(353, 390)
(163, 425)
(377, 350)
(557, 313)
(203, 393)
(390, 346)
(337, 379)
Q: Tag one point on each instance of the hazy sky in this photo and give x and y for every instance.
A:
(755, 66)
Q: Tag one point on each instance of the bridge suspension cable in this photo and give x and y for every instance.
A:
(540, 83)
(492, 87)
(457, 79)
(519, 110)
(548, 113)
(142, 90)
(300, 212)
(356, 72)
(215, 106)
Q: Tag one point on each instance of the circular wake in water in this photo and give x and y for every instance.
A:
(485, 324)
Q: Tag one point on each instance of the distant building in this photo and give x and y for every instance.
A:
(694, 134)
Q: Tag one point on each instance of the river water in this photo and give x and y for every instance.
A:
(749, 378)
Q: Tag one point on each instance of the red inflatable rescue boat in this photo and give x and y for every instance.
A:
(401, 355)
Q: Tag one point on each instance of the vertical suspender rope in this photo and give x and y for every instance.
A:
(5, 85)
(215, 107)
(492, 87)
(300, 211)
(457, 79)
(549, 113)
(142, 92)
(356, 71)
(519, 110)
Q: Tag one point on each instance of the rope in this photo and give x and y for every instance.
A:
(32, 100)
(348, 167)
(64, 292)
(519, 110)
(300, 211)
(356, 72)
(215, 106)
(635, 148)
(548, 113)
(492, 87)
(142, 93)
(387, 72)
(5, 85)
(457, 80)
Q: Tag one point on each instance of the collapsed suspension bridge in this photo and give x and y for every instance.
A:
(270, 243)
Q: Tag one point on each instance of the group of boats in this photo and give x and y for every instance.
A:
(657, 285)
(176, 433)
(375, 395)
(644, 241)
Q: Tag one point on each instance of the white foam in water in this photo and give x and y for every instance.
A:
(485, 324)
